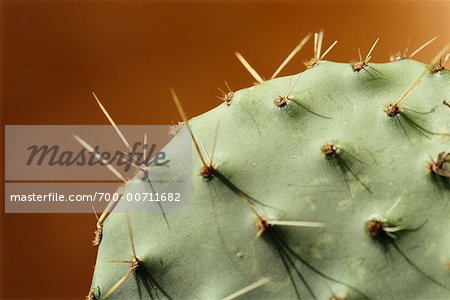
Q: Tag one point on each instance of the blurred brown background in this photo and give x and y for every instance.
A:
(54, 53)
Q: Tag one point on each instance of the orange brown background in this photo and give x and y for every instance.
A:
(54, 53)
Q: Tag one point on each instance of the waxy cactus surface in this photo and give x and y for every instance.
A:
(328, 184)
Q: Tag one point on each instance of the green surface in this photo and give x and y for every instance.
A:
(273, 155)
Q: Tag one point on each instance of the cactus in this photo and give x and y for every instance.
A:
(333, 183)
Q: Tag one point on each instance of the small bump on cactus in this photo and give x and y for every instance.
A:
(362, 64)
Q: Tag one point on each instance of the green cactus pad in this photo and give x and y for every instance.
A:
(379, 167)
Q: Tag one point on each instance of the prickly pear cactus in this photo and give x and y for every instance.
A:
(330, 184)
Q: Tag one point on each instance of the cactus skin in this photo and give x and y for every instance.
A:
(274, 155)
